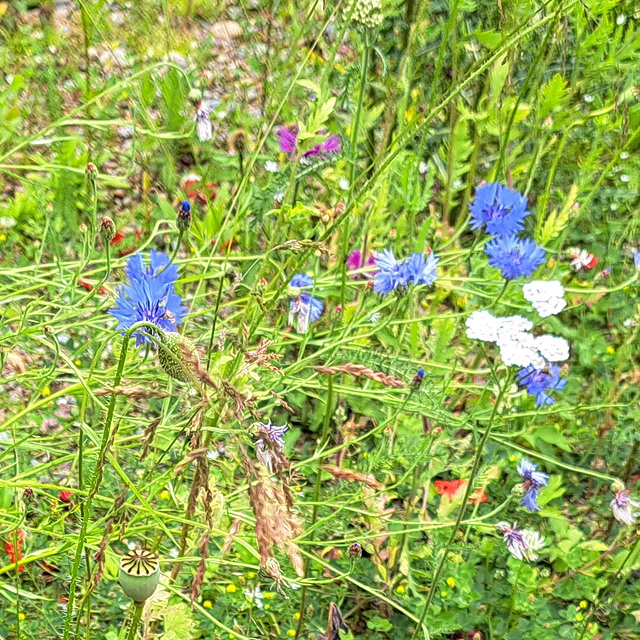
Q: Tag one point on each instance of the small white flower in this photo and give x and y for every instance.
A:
(212, 454)
(204, 127)
(546, 296)
(481, 325)
(624, 178)
(374, 317)
(552, 348)
(7, 222)
(271, 166)
(621, 19)
(423, 167)
(519, 349)
(624, 156)
(344, 184)
(588, 98)
(279, 197)
(515, 324)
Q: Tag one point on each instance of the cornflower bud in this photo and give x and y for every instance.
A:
(107, 229)
(184, 216)
(355, 551)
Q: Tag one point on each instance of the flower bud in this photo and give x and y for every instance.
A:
(355, 551)
(195, 96)
(107, 229)
(91, 171)
(139, 574)
(184, 216)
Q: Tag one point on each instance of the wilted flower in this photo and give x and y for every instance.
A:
(150, 295)
(582, 260)
(546, 296)
(521, 543)
(515, 257)
(500, 209)
(204, 127)
(539, 381)
(622, 507)
(533, 481)
(269, 443)
(307, 308)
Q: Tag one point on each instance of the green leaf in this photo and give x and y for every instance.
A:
(553, 95)
(557, 222)
(177, 622)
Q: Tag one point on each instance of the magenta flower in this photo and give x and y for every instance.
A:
(354, 263)
(288, 141)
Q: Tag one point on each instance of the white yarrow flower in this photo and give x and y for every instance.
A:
(552, 348)
(546, 296)
(481, 325)
(519, 349)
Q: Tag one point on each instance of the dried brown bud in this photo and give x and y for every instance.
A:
(238, 141)
(48, 330)
(91, 171)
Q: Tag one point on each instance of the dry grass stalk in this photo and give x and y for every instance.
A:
(202, 566)
(132, 391)
(276, 525)
(233, 532)
(282, 401)
(358, 370)
(350, 475)
(100, 555)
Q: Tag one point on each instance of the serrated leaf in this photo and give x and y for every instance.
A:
(553, 95)
(177, 622)
(312, 86)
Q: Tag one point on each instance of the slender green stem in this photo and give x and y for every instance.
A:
(465, 500)
(137, 614)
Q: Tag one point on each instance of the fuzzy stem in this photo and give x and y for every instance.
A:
(137, 614)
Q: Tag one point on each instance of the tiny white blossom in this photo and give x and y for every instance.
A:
(588, 98)
(624, 156)
(519, 349)
(624, 178)
(344, 184)
(423, 167)
(255, 595)
(271, 166)
(553, 349)
(621, 19)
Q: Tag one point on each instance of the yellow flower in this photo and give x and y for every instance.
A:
(583, 604)
(443, 594)
(77, 363)
(579, 617)
(291, 633)
(296, 616)
(269, 595)
(207, 604)
(46, 391)
(21, 616)
(165, 495)
(610, 350)
(3, 238)
(512, 458)
(231, 588)
(401, 589)
(251, 575)
(451, 582)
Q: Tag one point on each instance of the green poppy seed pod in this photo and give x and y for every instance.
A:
(177, 356)
(139, 574)
(107, 229)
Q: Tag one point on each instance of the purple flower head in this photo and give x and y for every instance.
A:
(515, 257)
(533, 481)
(539, 381)
(354, 263)
(500, 209)
(150, 295)
(288, 139)
(420, 270)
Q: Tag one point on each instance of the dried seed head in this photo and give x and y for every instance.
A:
(238, 141)
(139, 574)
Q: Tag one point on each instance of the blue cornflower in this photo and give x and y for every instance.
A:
(419, 270)
(185, 206)
(533, 481)
(307, 308)
(149, 296)
(539, 381)
(389, 276)
(500, 209)
(515, 257)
